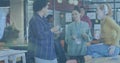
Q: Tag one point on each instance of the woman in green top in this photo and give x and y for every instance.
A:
(77, 35)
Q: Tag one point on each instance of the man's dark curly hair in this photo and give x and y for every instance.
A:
(39, 4)
(77, 8)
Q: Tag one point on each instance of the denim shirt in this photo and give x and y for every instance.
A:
(42, 38)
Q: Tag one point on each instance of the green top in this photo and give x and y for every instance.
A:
(77, 29)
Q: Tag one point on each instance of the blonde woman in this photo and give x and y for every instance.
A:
(110, 34)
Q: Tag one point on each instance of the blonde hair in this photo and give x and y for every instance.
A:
(106, 8)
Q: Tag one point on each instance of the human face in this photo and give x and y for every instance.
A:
(82, 12)
(100, 14)
(75, 15)
(45, 9)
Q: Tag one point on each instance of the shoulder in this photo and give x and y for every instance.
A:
(71, 24)
(86, 17)
(35, 19)
(108, 19)
(84, 23)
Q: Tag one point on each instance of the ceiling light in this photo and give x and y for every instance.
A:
(75, 2)
(70, 1)
(59, 1)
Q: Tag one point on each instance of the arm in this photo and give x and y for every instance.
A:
(89, 42)
(116, 27)
(87, 35)
(68, 34)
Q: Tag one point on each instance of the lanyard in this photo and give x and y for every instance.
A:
(77, 28)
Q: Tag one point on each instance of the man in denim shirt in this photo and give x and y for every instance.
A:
(41, 35)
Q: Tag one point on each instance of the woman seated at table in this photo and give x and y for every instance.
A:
(110, 35)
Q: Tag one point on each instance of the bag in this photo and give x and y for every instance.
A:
(10, 34)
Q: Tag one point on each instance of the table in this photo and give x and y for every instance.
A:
(9, 54)
(5, 59)
(105, 60)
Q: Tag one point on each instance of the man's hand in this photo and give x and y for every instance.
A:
(55, 29)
